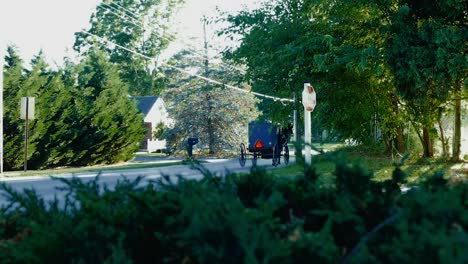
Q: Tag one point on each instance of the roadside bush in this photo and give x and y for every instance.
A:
(242, 218)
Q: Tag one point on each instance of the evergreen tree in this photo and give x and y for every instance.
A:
(111, 128)
(35, 82)
(53, 126)
(12, 125)
(89, 124)
(117, 115)
(218, 115)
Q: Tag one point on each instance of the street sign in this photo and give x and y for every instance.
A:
(27, 108)
(308, 97)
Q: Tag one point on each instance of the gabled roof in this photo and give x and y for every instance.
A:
(144, 103)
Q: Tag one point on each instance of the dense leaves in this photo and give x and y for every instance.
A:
(114, 128)
(83, 115)
(427, 55)
(332, 45)
(373, 63)
(215, 113)
(248, 218)
(12, 123)
(138, 25)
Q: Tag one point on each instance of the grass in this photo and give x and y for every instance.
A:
(328, 146)
(382, 166)
(157, 155)
(126, 166)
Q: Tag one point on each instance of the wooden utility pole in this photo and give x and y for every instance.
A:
(205, 46)
(209, 121)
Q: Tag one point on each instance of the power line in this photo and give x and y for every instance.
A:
(134, 18)
(193, 74)
(126, 9)
(228, 66)
(123, 17)
(123, 9)
(225, 65)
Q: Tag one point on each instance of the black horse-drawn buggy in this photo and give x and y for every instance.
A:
(266, 141)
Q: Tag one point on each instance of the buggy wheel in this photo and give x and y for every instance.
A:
(286, 154)
(242, 154)
(276, 155)
(254, 160)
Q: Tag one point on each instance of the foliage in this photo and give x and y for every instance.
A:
(52, 127)
(333, 45)
(83, 115)
(12, 124)
(138, 25)
(372, 62)
(113, 129)
(159, 131)
(426, 53)
(215, 113)
(253, 218)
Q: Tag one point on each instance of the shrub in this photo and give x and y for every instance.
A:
(244, 218)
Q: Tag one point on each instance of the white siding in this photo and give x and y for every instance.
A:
(156, 115)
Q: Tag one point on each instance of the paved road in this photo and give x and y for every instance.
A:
(47, 187)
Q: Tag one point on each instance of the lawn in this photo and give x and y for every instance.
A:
(382, 166)
(98, 168)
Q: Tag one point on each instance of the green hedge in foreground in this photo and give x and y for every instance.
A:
(250, 218)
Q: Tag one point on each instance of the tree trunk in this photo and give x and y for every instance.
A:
(427, 143)
(443, 140)
(418, 132)
(400, 143)
(210, 126)
(211, 140)
(456, 147)
(399, 140)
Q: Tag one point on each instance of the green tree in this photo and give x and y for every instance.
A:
(427, 55)
(139, 25)
(12, 125)
(36, 82)
(337, 46)
(356, 84)
(83, 115)
(215, 113)
(44, 135)
(272, 52)
(111, 128)
(53, 126)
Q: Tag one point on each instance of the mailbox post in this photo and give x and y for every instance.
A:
(26, 113)
(309, 101)
(190, 143)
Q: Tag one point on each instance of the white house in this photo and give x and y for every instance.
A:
(154, 111)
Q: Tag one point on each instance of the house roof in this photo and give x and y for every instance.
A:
(144, 103)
